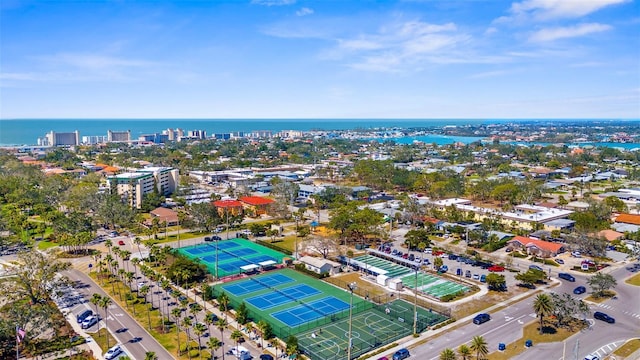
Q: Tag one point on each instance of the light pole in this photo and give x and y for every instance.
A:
(352, 287)
(415, 305)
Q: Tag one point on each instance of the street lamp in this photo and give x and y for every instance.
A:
(352, 288)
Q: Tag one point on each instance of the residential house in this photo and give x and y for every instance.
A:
(229, 206)
(536, 247)
(164, 214)
(256, 205)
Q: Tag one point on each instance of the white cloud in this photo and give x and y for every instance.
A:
(304, 11)
(491, 74)
(95, 62)
(273, 2)
(398, 45)
(542, 10)
(551, 34)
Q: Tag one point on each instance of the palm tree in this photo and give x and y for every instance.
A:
(186, 323)
(479, 345)
(447, 354)
(221, 324)
(209, 319)
(105, 302)
(262, 326)
(95, 300)
(137, 241)
(199, 329)
(223, 300)
(150, 355)
(108, 243)
(464, 351)
(542, 306)
(213, 344)
(144, 291)
(236, 335)
(205, 289)
(177, 312)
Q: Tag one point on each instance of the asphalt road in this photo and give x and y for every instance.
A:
(135, 340)
(506, 326)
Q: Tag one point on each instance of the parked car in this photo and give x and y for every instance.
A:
(576, 254)
(207, 238)
(405, 256)
(401, 354)
(120, 242)
(535, 267)
(604, 317)
(383, 358)
(483, 278)
(580, 290)
(83, 315)
(476, 277)
(418, 259)
(459, 271)
(412, 257)
(496, 268)
(394, 252)
(113, 352)
(566, 276)
(443, 269)
(468, 274)
(592, 357)
(481, 318)
(453, 256)
(560, 261)
(266, 357)
(428, 251)
(426, 261)
(89, 322)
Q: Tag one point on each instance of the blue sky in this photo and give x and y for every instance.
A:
(320, 59)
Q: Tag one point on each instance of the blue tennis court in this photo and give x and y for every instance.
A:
(282, 296)
(227, 257)
(256, 283)
(310, 311)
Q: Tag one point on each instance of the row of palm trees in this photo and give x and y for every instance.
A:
(181, 320)
(478, 346)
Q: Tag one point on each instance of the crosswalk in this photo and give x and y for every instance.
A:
(626, 312)
(608, 349)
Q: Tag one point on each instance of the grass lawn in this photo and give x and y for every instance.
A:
(44, 245)
(608, 295)
(628, 348)
(531, 332)
(348, 278)
(493, 297)
(102, 341)
(183, 236)
(634, 280)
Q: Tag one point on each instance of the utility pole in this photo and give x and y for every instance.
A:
(415, 305)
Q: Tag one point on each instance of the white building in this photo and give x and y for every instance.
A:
(132, 186)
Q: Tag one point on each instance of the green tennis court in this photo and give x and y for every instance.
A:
(371, 329)
(433, 285)
(374, 264)
(231, 255)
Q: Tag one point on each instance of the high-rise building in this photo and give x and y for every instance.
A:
(94, 139)
(132, 186)
(64, 138)
(118, 136)
(171, 134)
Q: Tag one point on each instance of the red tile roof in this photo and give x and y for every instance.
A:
(227, 203)
(540, 244)
(628, 219)
(610, 235)
(255, 200)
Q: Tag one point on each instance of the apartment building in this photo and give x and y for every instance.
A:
(132, 186)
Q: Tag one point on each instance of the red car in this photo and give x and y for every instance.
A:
(121, 242)
(496, 268)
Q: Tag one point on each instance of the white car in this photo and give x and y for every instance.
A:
(89, 322)
(592, 357)
(113, 352)
(428, 251)
(576, 254)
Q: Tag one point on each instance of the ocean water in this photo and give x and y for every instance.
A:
(27, 131)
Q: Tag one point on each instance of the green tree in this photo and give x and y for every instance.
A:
(479, 346)
(223, 302)
(600, 283)
(213, 344)
(105, 302)
(542, 305)
(242, 313)
(221, 324)
(496, 281)
(176, 312)
(150, 355)
(531, 277)
(292, 345)
(415, 237)
(464, 352)
(437, 262)
(236, 335)
(566, 307)
(199, 329)
(447, 354)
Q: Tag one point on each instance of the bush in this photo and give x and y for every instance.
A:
(194, 353)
